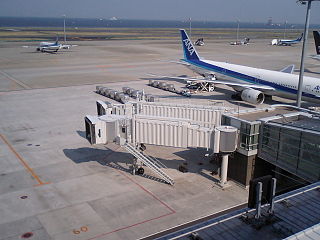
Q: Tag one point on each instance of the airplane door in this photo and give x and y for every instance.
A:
(308, 88)
(257, 79)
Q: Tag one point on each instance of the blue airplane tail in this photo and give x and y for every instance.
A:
(300, 38)
(189, 51)
(316, 36)
(57, 40)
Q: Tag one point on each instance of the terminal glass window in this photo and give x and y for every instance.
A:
(270, 143)
(292, 149)
(310, 155)
(249, 132)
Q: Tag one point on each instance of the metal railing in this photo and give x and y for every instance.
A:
(152, 163)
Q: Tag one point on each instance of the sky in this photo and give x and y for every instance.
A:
(201, 10)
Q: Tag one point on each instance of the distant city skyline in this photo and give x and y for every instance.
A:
(201, 10)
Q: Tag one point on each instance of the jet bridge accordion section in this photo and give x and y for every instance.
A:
(204, 116)
(171, 132)
(148, 130)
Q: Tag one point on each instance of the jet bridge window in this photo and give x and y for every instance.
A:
(90, 131)
(249, 132)
(249, 136)
(225, 120)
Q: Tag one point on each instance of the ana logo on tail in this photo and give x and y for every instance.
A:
(189, 46)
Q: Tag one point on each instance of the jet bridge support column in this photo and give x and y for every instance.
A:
(228, 138)
(224, 170)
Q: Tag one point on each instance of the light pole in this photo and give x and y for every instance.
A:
(238, 30)
(190, 27)
(305, 37)
(285, 29)
(64, 28)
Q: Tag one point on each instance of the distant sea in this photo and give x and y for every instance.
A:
(123, 23)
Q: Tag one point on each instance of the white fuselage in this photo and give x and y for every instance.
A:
(49, 46)
(284, 84)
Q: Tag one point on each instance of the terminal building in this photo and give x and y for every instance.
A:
(279, 140)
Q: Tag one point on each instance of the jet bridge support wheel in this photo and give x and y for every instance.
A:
(142, 147)
(140, 171)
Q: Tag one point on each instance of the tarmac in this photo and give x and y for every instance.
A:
(55, 185)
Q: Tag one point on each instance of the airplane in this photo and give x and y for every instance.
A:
(242, 42)
(49, 46)
(199, 42)
(52, 47)
(286, 42)
(316, 36)
(251, 84)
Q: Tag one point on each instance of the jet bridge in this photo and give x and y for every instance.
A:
(205, 116)
(162, 131)
(132, 125)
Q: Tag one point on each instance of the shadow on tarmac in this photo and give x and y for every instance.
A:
(193, 160)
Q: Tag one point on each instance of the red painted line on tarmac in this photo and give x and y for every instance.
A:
(133, 225)
(139, 223)
(147, 191)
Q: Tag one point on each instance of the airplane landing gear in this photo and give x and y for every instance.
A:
(236, 96)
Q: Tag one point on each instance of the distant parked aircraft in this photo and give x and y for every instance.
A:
(199, 42)
(286, 42)
(52, 46)
(242, 42)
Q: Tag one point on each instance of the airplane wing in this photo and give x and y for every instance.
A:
(182, 78)
(228, 83)
(179, 62)
(288, 69)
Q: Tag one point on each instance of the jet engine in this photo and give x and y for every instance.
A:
(252, 96)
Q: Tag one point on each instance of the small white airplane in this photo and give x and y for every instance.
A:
(252, 84)
(286, 42)
(316, 36)
(52, 47)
